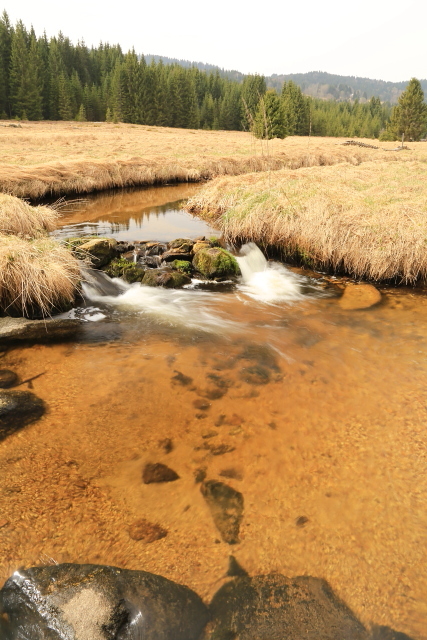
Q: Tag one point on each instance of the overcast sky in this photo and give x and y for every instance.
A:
(371, 38)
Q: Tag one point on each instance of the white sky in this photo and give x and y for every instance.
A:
(383, 39)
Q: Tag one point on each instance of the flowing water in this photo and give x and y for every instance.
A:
(315, 413)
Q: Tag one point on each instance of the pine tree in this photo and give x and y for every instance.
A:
(25, 94)
(6, 33)
(270, 119)
(409, 116)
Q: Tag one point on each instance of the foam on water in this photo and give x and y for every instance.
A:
(192, 309)
(268, 282)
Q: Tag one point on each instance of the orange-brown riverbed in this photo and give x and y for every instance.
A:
(324, 415)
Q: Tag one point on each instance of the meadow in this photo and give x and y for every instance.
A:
(44, 159)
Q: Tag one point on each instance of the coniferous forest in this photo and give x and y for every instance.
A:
(53, 79)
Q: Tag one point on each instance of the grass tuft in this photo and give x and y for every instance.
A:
(369, 221)
(19, 218)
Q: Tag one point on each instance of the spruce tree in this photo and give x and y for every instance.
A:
(270, 120)
(6, 32)
(409, 116)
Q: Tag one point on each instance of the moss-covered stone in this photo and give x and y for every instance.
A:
(128, 271)
(100, 250)
(182, 265)
(198, 246)
(165, 278)
(216, 263)
(181, 243)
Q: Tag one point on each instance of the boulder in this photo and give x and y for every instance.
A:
(100, 250)
(226, 507)
(165, 278)
(91, 602)
(184, 266)
(202, 244)
(215, 263)
(17, 410)
(12, 329)
(184, 244)
(359, 296)
(176, 254)
(274, 607)
(128, 271)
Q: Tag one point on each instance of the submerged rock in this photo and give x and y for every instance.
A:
(359, 296)
(165, 278)
(100, 250)
(90, 602)
(274, 607)
(17, 410)
(226, 507)
(158, 472)
(215, 263)
(146, 531)
(8, 378)
(12, 329)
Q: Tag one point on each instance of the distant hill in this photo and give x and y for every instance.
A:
(319, 84)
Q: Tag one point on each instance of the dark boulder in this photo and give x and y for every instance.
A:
(91, 602)
(128, 271)
(274, 607)
(8, 378)
(158, 472)
(17, 410)
(100, 250)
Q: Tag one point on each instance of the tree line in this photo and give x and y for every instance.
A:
(52, 79)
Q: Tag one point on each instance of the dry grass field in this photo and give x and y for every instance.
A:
(41, 159)
(368, 221)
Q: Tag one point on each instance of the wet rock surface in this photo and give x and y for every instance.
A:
(274, 607)
(90, 602)
(158, 472)
(12, 329)
(226, 506)
(17, 410)
(100, 250)
(214, 263)
(165, 278)
(8, 378)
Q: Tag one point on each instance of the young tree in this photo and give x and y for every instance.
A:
(409, 116)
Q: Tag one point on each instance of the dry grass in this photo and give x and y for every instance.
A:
(19, 218)
(55, 158)
(369, 221)
(36, 276)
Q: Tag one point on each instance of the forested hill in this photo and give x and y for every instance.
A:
(328, 86)
(318, 84)
(231, 74)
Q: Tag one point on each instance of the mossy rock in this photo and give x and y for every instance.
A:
(182, 265)
(165, 278)
(203, 244)
(128, 271)
(216, 263)
(100, 250)
(181, 243)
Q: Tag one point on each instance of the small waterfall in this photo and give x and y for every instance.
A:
(264, 281)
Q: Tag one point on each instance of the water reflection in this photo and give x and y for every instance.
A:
(138, 214)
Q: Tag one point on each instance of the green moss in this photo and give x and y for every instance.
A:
(126, 270)
(216, 263)
(182, 265)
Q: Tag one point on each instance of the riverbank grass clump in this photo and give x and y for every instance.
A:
(369, 221)
(37, 277)
(19, 218)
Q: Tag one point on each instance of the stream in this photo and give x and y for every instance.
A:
(315, 413)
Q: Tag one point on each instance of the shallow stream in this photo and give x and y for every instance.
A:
(315, 413)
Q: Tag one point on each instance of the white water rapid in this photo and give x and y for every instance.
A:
(265, 282)
(268, 282)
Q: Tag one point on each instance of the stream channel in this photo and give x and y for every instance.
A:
(315, 413)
